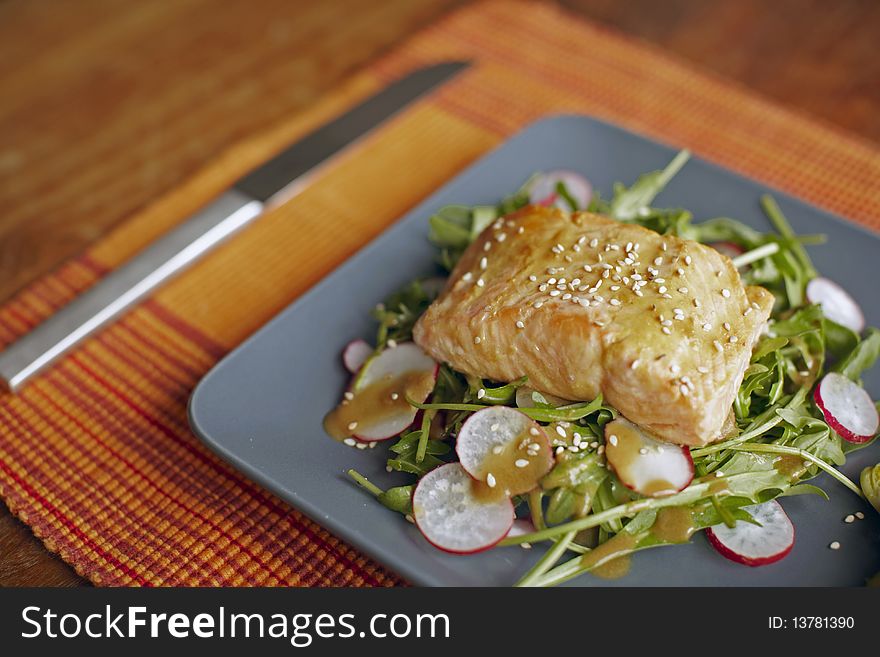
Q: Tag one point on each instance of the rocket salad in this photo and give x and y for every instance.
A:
(799, 411)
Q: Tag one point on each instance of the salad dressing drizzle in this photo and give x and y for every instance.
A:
(611, 559)
(511, 479)
(377, 402)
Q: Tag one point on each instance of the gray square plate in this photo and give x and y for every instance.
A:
(261, 407)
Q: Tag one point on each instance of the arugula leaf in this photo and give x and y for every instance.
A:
(629, 202)
(861, 357)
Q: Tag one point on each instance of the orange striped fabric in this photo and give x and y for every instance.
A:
(96, 456)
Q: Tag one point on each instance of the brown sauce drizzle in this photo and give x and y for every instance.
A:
(374, 404)
(790, 465)
(510, 479)
(611, 559)
(674, 524)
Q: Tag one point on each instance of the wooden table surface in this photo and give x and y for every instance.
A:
(105, 105)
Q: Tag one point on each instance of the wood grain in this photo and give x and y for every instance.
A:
(104, 105)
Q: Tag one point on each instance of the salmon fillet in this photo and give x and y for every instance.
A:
(582, 304)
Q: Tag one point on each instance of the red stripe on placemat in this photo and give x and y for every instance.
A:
(65, 521)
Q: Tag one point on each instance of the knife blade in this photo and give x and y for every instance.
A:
(273, 183)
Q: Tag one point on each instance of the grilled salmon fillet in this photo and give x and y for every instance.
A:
(582, 304)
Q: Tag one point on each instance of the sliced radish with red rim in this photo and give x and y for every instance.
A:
(505, 449)
(544, 190)
(648, 466)
(453, 516)
(730, 249)
(837, 304)
(755, 545)
(376, 407)
(847, 408)
(521, 527)
(356, 354)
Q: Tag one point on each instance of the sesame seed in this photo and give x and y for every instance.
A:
(483, 262)
(481, 393)
(661, 289)
(560, 450)
(666, 330)
(490, 480)
(679, 271)
(726, 326)
(561, 431)
(746, 313)
(566, 296)
(643, 451)
(542, 287)
(392, 344)
(684, 389)
(519, 324)
(494, 427)
(537, 304)
(551, 281)
(520, 230)
(487, 246)
(587, 268)
(658, 261)
(849, 518)
(477, 339)
(348, 395)
(659, 280)
(718, 346)
(351, 442)
(554, 293)
(683, 290)
(533, 278)
(674, 368)
(361, 445)
(521, 463)
(696, 303)
(860, 515)
(663, 246)
(468, 276)
(733, 338)
(395, 396)
(612, 440)
(594, 242)
(497, 449)
(635, 364)
(481, 283)
(575, 282)
(352, 426)
(835, 545)
(560, 247)
(501, 237)
(687, 260)
(614, 302)
(703, 370)
(725, 293)
(534, 431)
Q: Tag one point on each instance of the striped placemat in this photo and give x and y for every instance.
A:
(96, 455)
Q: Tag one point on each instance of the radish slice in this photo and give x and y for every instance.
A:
(836, 303)
(524, 398)
(505, 449)
(730, 249)
(543, 189)
(376, 406)
(356, 354)
(847, 408)
(521, 527)
(750, 544)
(454, 516)
(644, 464)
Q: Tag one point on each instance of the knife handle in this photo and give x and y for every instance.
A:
(125, 286)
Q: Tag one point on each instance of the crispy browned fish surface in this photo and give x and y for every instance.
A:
(582, 304)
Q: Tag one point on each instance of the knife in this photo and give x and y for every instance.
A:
(273, 183)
